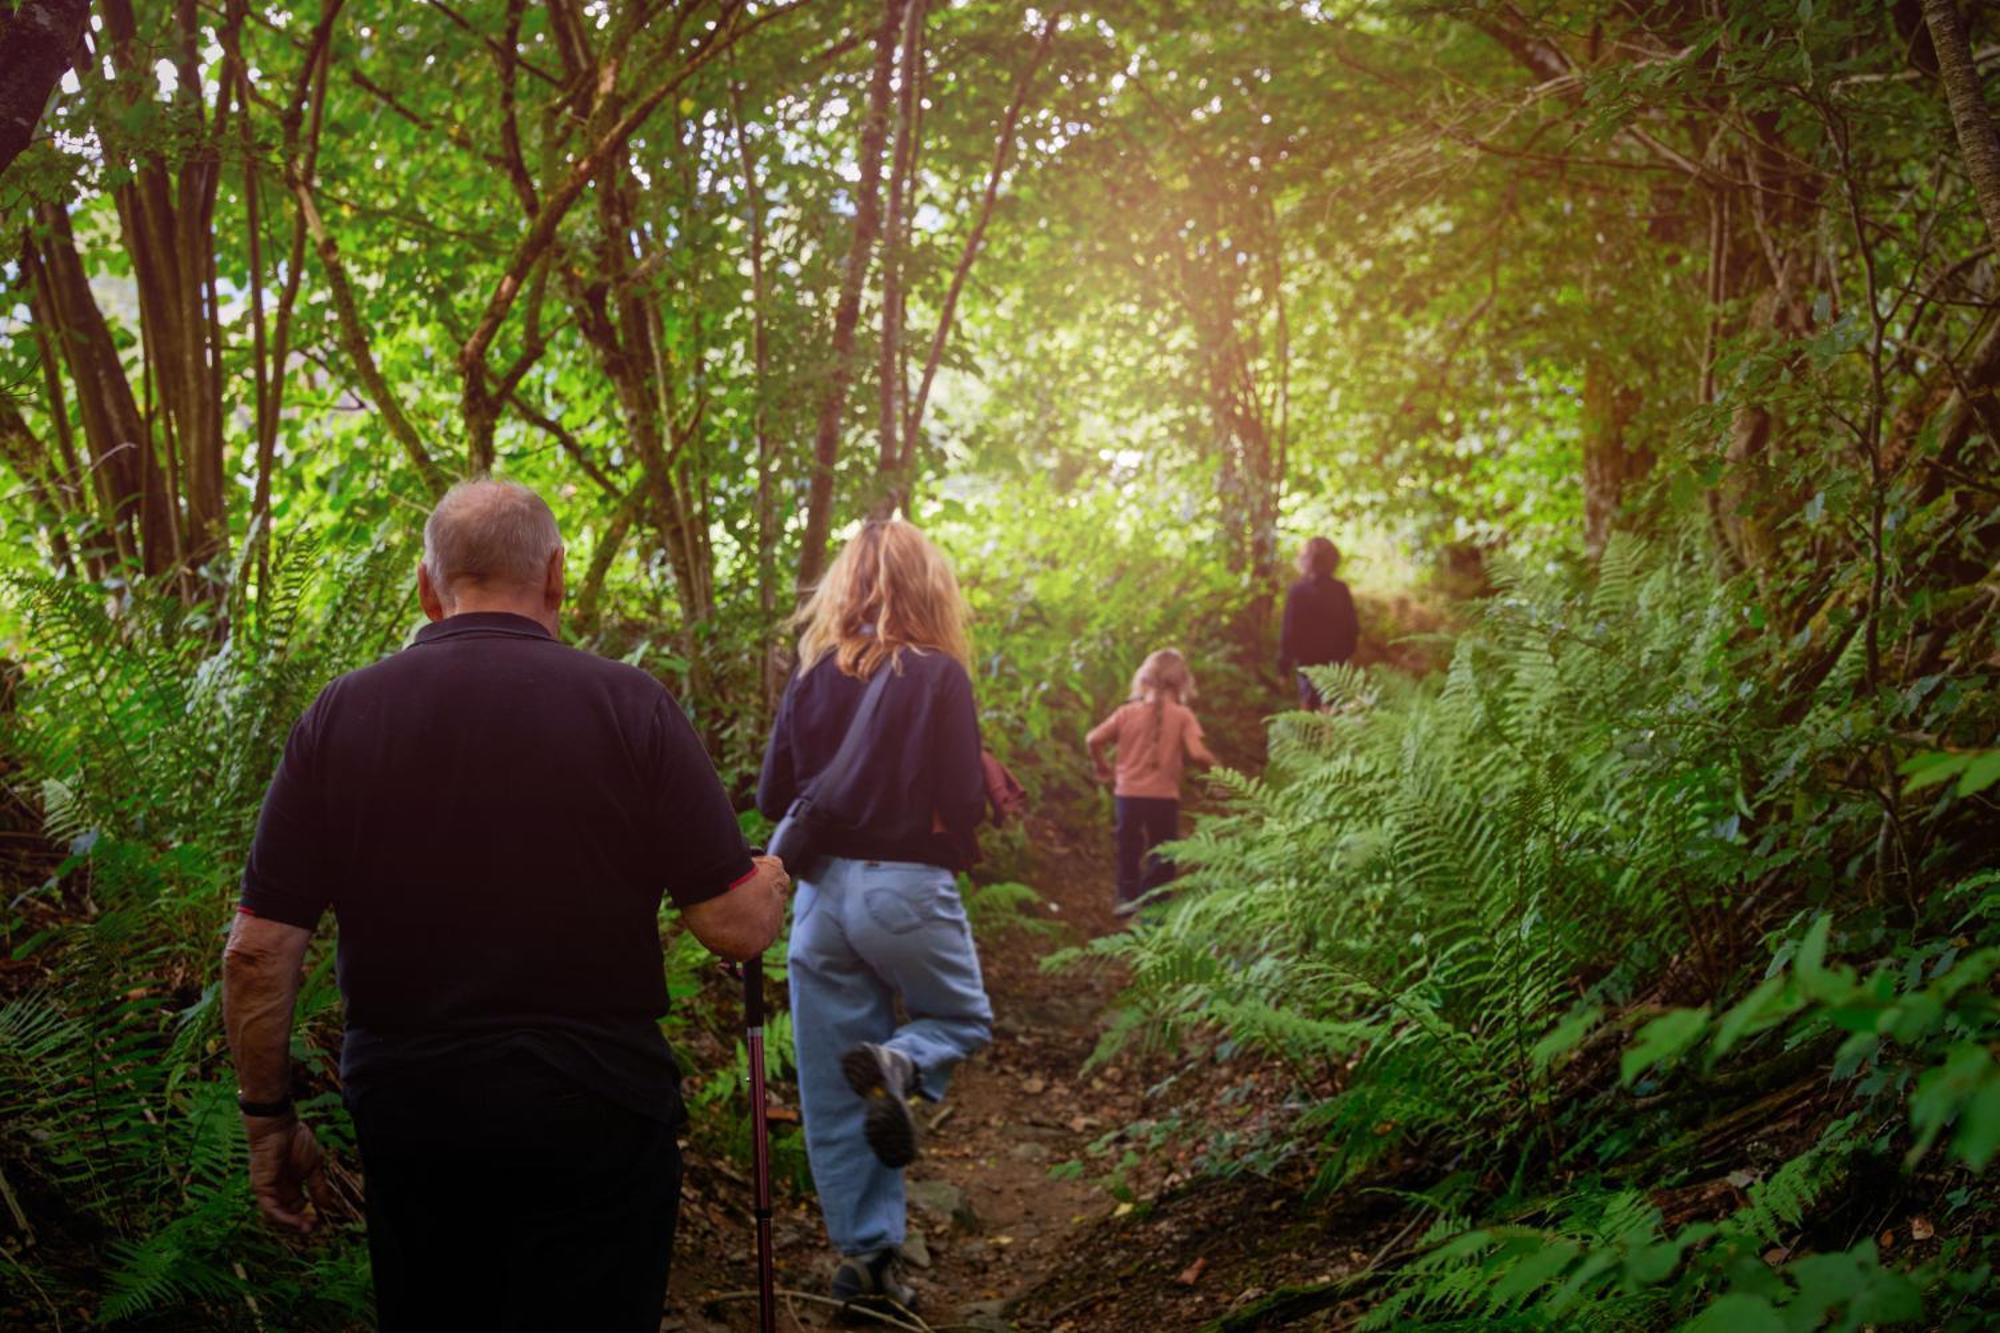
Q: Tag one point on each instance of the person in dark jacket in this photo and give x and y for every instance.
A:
(878, 920)
(1320, 627)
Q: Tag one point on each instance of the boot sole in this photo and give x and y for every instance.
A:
(889, 1127)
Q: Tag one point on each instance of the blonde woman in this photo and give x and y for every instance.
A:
(1152, 732)
(878, 918)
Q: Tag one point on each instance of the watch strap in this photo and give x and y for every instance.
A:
(280, 1107)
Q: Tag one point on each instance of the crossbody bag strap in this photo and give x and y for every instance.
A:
(829, 780)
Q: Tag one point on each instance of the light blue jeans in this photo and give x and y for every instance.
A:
(864, 934)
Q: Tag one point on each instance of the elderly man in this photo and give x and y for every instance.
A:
(492, 817)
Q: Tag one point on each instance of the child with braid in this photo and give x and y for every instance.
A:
(1153, 733)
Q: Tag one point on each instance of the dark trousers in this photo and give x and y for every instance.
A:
(521, 1201)
(1144, 822)
(1309, 694)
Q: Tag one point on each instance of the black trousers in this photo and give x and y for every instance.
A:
(516, 1200)
(1144, 822)
(1309, 694)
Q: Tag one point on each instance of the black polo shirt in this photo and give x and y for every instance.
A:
(493, 817)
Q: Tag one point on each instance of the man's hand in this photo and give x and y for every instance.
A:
(1104, 773)
(740, 924)
(286, 1168)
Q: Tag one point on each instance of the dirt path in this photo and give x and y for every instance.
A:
(1006, 1247)
(985, 1212)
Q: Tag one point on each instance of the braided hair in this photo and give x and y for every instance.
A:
(1163, 673)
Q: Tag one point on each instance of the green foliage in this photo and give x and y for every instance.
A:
(1926, 1028)
(1608, 1264)
(1069, 592)
(719, 1106)
(154, 732)
(1004, 905)
(1451, 904)
(1975, 771)
(1442, 858)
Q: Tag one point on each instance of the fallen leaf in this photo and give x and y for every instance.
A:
(1887, 1240)
(1921, 1228)
(1003, 1240)
(1121, 1210)
(1192, 1273)
(1033, 1085)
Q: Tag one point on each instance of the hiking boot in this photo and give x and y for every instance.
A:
(885, 1079)
(874, 1281)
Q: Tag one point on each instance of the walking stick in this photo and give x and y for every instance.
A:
(760, 1144)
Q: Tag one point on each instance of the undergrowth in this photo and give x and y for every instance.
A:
(152, 729)
(1551, 938)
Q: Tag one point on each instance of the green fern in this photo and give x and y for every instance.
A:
(150, 735)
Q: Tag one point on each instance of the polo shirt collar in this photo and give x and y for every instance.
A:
(482, 622)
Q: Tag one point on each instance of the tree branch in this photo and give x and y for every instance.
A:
(563, 197)
(1002, 149)
(867, 221)
(354, 341)
(36, 42)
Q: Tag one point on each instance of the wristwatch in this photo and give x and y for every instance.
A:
(282, 1106)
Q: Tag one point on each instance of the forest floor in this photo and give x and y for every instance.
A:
(1133, 1231)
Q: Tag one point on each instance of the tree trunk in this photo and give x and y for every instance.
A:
(167, 220)
(892, 459)
(36, 43)
(1978, 140)
(1003, 148)
(1608, 464)
(847, 315)
(131, 490)
(616, 529)
(1769, 257)
(771, 676)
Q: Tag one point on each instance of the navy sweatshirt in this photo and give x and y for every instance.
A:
(920, 793)
(1320, 626)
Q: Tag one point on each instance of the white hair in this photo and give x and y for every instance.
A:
(492, 532)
